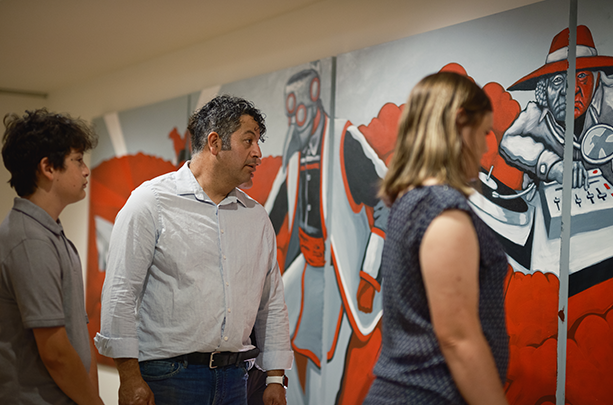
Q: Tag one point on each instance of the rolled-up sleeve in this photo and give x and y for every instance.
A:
(131, 251)
(272, 323)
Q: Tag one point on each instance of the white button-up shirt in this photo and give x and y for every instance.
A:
(178, 264)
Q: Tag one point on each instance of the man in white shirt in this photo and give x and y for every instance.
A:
(192, 270)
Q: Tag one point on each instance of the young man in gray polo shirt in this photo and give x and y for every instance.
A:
(46, 355)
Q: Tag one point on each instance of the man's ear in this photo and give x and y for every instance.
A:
(213, 143)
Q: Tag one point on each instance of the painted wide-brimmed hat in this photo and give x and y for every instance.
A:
(557, 59)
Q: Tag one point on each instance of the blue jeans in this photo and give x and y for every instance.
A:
(177, 382)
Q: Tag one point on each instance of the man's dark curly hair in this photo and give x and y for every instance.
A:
(222, 115)
(36, 135)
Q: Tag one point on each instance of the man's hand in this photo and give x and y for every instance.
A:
(133, 390)
(579, 174)
(274, 395)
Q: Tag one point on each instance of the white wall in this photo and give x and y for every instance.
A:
(326, 28)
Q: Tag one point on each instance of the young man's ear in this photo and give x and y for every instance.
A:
(46, 169)
(213, 143)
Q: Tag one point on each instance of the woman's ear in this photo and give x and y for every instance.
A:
(460, 118)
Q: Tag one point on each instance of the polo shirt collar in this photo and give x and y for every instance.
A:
(35, 212)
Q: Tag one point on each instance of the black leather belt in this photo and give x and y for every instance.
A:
(218, 359)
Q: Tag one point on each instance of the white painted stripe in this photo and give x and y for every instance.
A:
(379, 164)
(114, 127)
(585, 51)
(276, 185)
(556, 56)
(207, 95)
(562, 53)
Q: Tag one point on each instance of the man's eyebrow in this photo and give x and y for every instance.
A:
(250, 131)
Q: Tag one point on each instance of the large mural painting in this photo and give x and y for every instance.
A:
(331, 133)
(520, 58)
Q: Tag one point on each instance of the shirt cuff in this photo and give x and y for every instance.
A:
(277, 360)
(116, 348)
(545, 161)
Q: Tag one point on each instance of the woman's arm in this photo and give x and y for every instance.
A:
(449, 259)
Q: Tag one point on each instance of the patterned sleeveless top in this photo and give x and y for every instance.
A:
(410, 353)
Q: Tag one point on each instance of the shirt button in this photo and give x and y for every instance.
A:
(225, 338)
(222, 231)
(229, 309)
(224, 257)
(227, 283)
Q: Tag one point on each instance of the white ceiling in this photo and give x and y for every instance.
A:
(48, 44)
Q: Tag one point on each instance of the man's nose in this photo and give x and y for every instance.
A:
(578, 90)
(257, 152)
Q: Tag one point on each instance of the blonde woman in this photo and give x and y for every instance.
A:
(444, 334)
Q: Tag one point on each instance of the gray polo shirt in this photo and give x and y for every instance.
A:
(41, 285)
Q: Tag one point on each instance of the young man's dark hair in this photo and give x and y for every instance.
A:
(36, 135)
(222, 115)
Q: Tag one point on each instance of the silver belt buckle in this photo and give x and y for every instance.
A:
(211, 366)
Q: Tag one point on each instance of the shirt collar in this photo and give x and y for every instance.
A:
(237, 195)
(35, 212)
(188, 185)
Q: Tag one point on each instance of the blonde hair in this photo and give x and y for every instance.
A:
(429, 144)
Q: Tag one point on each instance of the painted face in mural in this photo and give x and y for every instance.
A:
(244, 155)
(584, 90)
(474, 138)
(301, 105)
(556, 95)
